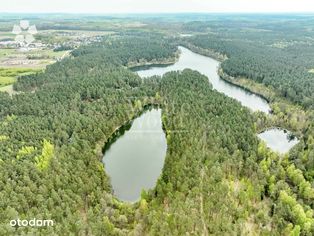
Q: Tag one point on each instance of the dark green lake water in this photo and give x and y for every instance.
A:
(134, 161)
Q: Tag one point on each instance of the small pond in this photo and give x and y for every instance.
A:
(278, 140)
(135, 156)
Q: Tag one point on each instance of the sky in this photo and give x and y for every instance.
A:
(155, 6)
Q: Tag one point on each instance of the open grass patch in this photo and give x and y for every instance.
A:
(6, 80)
(12, 72)
(8, 89)
(9, 75)
(6, 52)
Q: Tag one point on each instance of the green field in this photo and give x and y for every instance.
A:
(6, 80)
(9, 75)
(6, 52)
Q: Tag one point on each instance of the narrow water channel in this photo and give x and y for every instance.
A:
(275, 139)
(135, 159)
(209, 67)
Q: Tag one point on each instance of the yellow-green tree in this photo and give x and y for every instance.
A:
(43, 160)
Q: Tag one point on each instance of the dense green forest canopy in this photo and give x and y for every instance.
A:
(133, 48)
(279, 55)
(49, 165)
(218, 178)
(276, 51)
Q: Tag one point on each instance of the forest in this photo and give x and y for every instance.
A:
(278, 57)
(218, 177)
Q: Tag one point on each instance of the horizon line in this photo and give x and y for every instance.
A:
(160, 13)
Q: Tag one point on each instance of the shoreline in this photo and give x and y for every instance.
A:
(232, 80)
(224, 76)
(105, 143)
(165, 62)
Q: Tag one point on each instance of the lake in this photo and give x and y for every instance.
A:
(278, 140)
(209, 67)
(135, 158)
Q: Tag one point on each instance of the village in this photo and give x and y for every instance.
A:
(18, 59)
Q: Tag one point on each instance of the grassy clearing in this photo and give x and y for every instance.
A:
(12, 72)
(9, 75)
(8, 89)
(6, 52)
(44, 54)
(6, 80)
